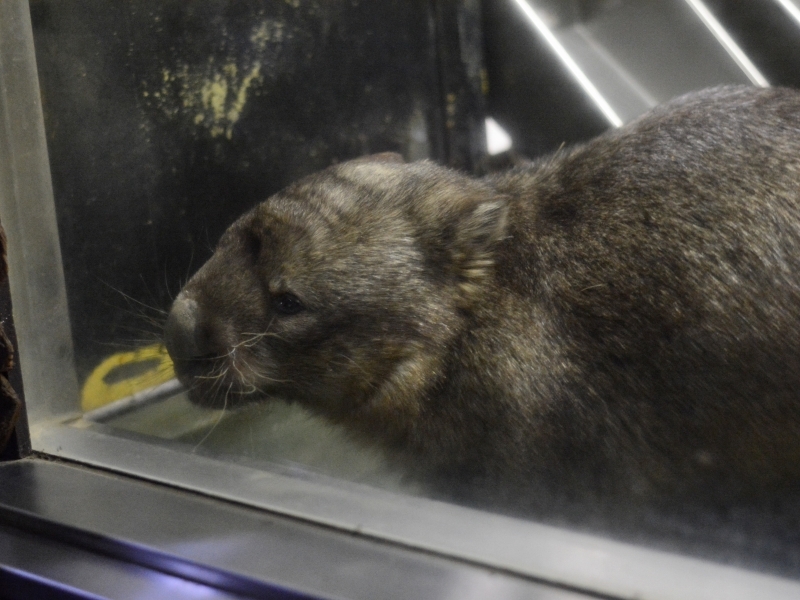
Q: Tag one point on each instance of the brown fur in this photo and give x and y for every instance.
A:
(620, 318)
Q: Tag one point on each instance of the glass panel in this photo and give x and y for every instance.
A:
(28, 217)
(166, 122)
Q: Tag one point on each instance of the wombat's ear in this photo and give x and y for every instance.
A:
(381, 157)
(478, 231)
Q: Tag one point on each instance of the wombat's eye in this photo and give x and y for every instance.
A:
(287, 304)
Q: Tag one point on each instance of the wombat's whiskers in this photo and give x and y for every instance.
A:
(255, 337)
(217, 422)
(133, 301)
(250, 341)
(248, 386)
(218, 370)
(217, 376)
(259, 375)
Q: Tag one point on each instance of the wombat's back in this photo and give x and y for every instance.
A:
(660, 267)
(621, 318)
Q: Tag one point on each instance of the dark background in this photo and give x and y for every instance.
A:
(167, 119)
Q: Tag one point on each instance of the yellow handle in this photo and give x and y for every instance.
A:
(126, 373)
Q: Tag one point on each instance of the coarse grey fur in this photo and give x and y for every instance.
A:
(621, 319)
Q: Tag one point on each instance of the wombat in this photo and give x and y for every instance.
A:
(618, 319)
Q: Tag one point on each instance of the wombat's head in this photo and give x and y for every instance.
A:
(342, 292)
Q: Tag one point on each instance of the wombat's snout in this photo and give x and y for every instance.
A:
(184, 336)
(202, 351)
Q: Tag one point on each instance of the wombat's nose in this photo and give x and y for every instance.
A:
(181, 333)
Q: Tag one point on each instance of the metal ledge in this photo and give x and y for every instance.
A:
(523, 548)
(34, 566)
(124, 525)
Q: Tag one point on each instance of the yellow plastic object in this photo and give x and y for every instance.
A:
(124, 374)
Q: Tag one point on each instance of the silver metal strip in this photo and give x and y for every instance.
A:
(586, 84)
(790, 7)
(725, 40)
(134, 401)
